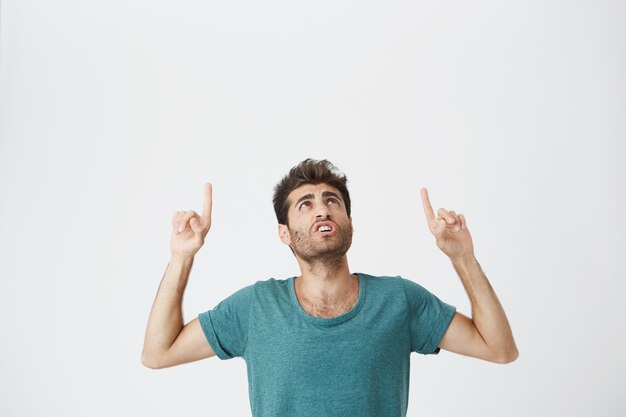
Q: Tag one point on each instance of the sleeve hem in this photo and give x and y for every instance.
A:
(209, 333)
(444, 319)
(408, 309)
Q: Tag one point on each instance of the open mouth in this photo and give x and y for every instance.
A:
(325, 228)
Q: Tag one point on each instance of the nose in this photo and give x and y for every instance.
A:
(322, 212)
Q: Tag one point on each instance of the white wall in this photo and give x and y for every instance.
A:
(114, 113)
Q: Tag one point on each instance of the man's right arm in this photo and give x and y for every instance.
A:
(168, 342)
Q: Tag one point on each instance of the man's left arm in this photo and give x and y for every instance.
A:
(487, 334)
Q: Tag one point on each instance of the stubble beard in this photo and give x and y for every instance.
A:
(321, 253)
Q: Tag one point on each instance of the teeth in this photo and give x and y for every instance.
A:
(324, 229)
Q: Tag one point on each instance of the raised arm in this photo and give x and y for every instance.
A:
(487, 334)
(167, 341)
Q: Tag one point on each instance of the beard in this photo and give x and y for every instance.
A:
(314, 250)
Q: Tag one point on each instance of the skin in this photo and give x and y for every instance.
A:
(325, 285)
(487, 335)
(167, 341)
(325, 278)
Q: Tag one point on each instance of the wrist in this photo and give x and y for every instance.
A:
(464, 261)
(181, 258)
(177, 272)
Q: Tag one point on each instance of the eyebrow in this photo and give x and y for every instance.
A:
(311, 196)
(304, 197)
(330, 193)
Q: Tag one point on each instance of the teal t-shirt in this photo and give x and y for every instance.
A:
(356, 364)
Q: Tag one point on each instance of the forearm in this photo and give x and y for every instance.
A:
(166, 317)
(487, 312)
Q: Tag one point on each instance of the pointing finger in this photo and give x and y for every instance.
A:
(208, 201)
(428, 209)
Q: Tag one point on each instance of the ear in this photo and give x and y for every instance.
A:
(283, 234)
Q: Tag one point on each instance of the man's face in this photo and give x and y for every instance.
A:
(319, 227)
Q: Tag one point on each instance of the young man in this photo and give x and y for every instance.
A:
(327, 342)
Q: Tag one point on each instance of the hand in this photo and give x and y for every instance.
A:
(449, 229)
(190, 229)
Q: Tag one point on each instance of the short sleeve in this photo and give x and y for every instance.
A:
(429, 318)
(226, 326)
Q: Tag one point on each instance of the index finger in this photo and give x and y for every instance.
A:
(428, 209)
(208, 201)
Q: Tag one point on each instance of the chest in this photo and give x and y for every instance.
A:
(326, 311)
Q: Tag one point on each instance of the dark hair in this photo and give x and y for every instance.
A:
(309, 171)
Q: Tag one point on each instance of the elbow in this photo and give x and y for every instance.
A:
(150, 362)
(507, 357)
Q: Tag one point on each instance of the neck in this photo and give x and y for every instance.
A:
(326, 280)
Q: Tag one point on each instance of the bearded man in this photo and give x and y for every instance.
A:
(327, 342)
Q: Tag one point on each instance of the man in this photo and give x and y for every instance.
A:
(327, 342)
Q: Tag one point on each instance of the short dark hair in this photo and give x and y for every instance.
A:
(309, 171)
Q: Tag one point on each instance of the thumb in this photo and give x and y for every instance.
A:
(195, 225)
(440, 225)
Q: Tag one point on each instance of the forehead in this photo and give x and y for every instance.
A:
(314, 189)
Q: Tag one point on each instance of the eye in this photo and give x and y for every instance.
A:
(305, 204)
(332, 200)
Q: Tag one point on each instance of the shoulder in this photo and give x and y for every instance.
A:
(250, 291)
(271, 288)
(271, 284)
(383, 284)
(381, 280)
(263, 286)
(394, 283)
(245, 298)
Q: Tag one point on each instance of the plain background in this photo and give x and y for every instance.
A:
(115, 113)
